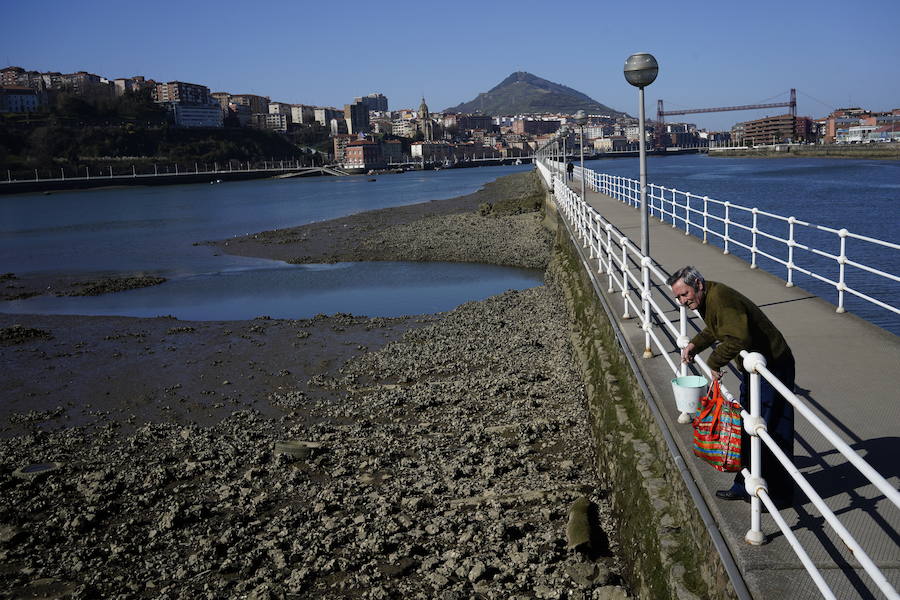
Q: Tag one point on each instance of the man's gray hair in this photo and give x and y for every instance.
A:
(690, 275)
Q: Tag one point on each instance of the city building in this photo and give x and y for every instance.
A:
(257, 104)
(615, 143)
(381, 125)
(273, 122)
(888, 133)
(777, 129)
(324, 115)
(535, 127)
(195, 115)
(303, 114)
(137, 83)
(19, 99)
(340, 142)
(392, 151)
(363, 155)
(81, 83)
(357, 117)
(374, 102)
(465, 122)
(223, 98)
(404, 127)
(338, 126)
(183, 93)
(282, 108)
(241, 112)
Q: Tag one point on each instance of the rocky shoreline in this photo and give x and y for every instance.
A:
(436, 456)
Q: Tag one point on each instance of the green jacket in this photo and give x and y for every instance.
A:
(737, 324)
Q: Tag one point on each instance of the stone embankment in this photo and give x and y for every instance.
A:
(876, 151)
(454, 462)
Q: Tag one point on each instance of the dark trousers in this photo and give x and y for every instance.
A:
(778, 414)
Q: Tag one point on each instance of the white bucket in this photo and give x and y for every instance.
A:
(688, 390)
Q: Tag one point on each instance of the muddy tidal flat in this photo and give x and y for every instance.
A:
(430, 456)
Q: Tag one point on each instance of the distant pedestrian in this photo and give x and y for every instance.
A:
(738, 324)
(570, 168)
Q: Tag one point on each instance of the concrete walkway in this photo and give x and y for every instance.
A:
(848, 372)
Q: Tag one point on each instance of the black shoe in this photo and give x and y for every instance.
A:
(732, 494)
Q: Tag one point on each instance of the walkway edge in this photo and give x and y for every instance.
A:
(718, 541)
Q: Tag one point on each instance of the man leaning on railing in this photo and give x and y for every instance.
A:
(736, 323)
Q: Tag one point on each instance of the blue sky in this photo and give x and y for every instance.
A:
(721, 53)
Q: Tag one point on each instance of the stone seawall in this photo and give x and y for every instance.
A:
(880, 151)
(665, 549)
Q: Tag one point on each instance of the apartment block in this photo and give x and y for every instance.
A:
(132, 84)
(324, 115)
(535, 127)
(281, 108)
(357, 117)
(373, 102)
(303, 114)
(467, 122)
(404, 128)
(272, 122)
(777, 129)
(257, 104)
(182, 93)
(340, 142)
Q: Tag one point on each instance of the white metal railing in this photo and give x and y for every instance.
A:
(636, 278)
(707, 217)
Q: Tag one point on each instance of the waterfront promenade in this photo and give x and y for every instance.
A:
(847, 373)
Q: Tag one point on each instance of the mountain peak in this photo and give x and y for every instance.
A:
(524, 92)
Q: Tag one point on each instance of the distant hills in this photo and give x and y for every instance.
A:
(523, 92)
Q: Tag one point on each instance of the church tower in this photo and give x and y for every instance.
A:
(425, 121)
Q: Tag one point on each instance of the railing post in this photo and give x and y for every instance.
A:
(842, 261)
(645, 297)
(755, 482)
(590, 228)
(623, 267)
(599, 246)
(682, 341)
(753, 247)
(609, 259)
(790, 261)
(705, 219)
(674, 204)
(687, 214)
(727, 222)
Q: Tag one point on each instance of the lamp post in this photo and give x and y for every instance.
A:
(640, 71)
(581, 119)
(563, 133)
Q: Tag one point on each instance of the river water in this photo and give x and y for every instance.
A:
(154, 229)
(862, 196)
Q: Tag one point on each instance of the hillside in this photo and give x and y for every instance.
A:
(523, 92)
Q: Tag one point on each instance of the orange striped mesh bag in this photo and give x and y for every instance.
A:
(717, 431)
